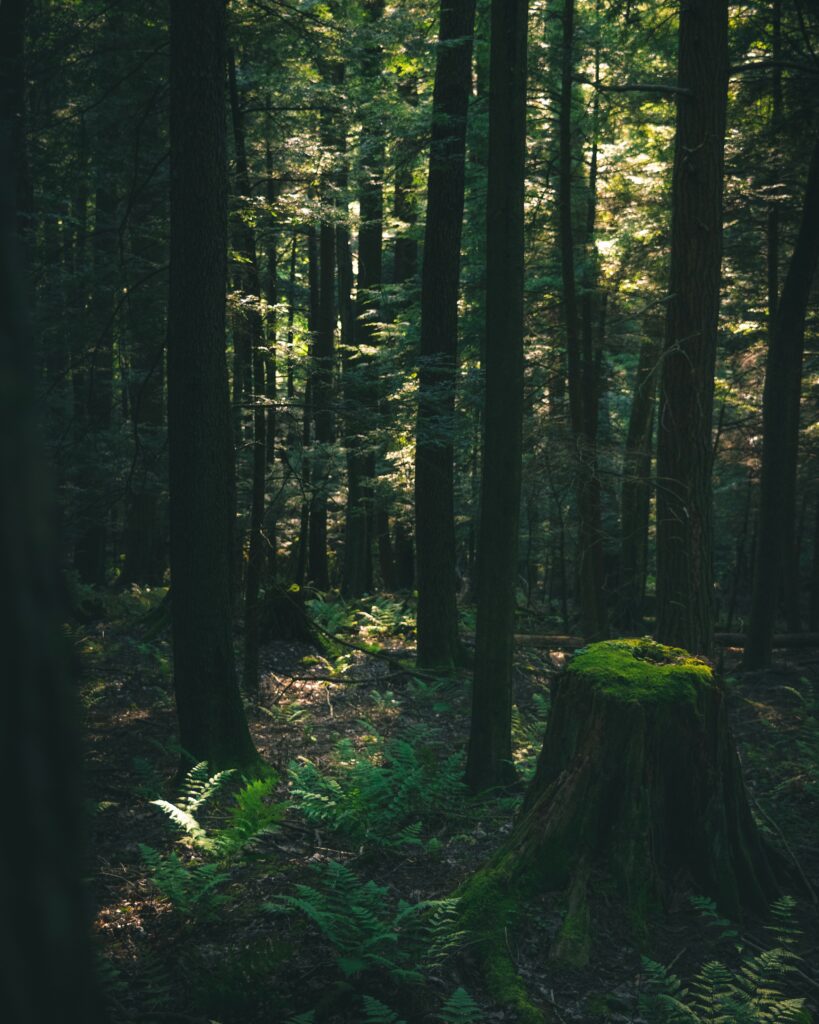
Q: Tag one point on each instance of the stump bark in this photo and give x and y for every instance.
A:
(638, 789)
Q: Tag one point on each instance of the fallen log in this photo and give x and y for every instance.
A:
(560, 642)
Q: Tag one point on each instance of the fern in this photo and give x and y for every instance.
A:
(382, 797)
(460, 1008)
(191, 890)
(376, 1012)
(250, 817)
(365, 932)
(751, 994)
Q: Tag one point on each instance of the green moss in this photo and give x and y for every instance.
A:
(641, 670)
(490, 901)
(572, 945)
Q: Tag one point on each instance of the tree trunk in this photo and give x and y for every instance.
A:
(489, 760)
(814, 576)
(780, 426)
(635, 498)
(583, 386)
(47, 970)
(438, 643)
(212, 725)
(322, 381)
(146, 556)
(252, 330)
(638, 787)
(684, 443)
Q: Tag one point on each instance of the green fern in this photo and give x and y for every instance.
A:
(460, 1008)
(190, 889)
(250, 817)
(751, 994)
(366, 932)
(383, 796)
(376, 1012)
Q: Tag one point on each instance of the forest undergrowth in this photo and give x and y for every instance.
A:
(325, 890)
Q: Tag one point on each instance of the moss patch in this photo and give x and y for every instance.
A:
(490, 901)
(641, 670)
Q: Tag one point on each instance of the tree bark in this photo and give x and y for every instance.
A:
(684, 443)
(636, 490)
(581, 361)
(638, 784)
(780, 426)
(47, 970)
(489, 760)
(212, 725)
(437, 619)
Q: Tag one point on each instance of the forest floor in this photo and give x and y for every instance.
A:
(367, 816)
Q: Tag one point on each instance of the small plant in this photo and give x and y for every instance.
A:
(250, 817)
(381, 796)
(190, 889)
(331, 616)
(751, 994)
(366, 932)
(460, 1008)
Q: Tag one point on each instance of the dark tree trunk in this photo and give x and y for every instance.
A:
(90, 552)
(636, 491)
(638, 790)
(146, 555)
(684, 443)
(212, 725)
(307, 413)
(489, 761)
(47, 967)
(780, 427)
(438, 643)
(814, 576)
(322, 383)
(252, 330)
(581, 362)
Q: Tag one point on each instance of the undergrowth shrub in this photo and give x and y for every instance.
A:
(367, 931)
(191, 889)
(249, 817)
(383, 796)
(751, 993)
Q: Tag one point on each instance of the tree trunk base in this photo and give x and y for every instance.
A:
(638, 787)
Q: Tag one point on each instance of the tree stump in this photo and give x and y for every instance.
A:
(638, 786)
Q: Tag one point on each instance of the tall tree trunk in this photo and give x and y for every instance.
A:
(780, 425)
(303, 548)
(581, 361)
(684, 444)
(212, 725)
(489, 760)
(252, 330)
(438, 643)
(322, 405)
(47, 971)
(145, 525)
(636, 490)
(814, 576)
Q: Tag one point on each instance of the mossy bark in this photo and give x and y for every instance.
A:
(638, 788)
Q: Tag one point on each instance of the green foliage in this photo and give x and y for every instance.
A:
(387, 617)
(333, 616)
(382, 796)
(190, 888)
(527, 733)
(749, 994)
(460, 1008)
(376, 1012)
(367, 932)
(250, 816)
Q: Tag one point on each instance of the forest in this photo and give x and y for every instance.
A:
(409, 487)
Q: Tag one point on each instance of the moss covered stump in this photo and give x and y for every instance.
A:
(638, 789)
